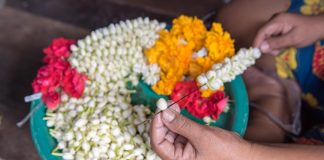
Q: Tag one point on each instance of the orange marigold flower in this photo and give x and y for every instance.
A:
(208, 92)
(174, 50)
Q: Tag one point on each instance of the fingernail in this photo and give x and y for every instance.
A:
(275, 52)
(168, 115)
(264, 46)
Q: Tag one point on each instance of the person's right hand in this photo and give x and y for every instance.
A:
(289, 30)
(174, 137)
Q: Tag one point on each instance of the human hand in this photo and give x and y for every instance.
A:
(174, 137)
(289, 30)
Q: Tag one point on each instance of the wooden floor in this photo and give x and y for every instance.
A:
(27, 26)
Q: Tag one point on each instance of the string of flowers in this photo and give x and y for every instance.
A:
(229, 69)
(103, 124)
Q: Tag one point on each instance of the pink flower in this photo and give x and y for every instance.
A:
(218, 107)
(59, 49)
(51, 99)
(197, 105)
(58, 74)
(73, 83)
(48, 79)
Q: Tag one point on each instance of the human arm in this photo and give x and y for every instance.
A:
(176, 137)
(289, 30)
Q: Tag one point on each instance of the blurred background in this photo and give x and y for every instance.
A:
(28, 26)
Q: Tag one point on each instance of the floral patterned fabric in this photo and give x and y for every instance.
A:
(306, 66)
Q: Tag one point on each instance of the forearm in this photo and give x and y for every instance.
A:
(286, 152)
(320, 25)
(242, 13)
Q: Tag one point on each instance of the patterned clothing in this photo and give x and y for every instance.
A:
(306, 66)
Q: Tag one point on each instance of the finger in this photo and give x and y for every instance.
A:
(271, 28)
(189, 152)
(174, 106)
(265, 48)
(280, 42)
(275, 52)
(180, 139)
(183, 149)
(170, 136)
(182, 126)
(160, 145)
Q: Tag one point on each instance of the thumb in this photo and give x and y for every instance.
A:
(183, 126)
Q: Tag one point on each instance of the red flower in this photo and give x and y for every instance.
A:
(59, 64)
(217, 108)
(48, 79)
(182, 89)
(199, 108)
(197, 105)
(318, 59)
(51, 99)
(57, 74)
(73, 83)
(59, 49)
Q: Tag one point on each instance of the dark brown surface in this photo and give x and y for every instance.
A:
(92, 15)
(99, 13)
(21, 41)
(27, 26)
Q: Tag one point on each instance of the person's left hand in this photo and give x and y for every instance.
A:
(174, 137)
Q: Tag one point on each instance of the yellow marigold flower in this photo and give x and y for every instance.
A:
(311, 2)
(289, 56)
(286, 62)
(310, 99)
(312, 7)
(173, 51)
(219, 45)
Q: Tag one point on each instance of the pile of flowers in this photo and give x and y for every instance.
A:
(102, 123)
(196, 104)
(58, 75)
(188, 49)
(84, 83)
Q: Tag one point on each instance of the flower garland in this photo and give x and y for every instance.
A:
(103, 124)
(150, 73)
(229, 69)
(58, 75)
(187, 49)
(218, 44)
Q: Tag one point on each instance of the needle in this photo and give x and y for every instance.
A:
(172, 104)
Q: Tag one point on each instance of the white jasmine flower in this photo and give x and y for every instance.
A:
(162, 104)
(229, 69)
(68, 156)
(50, 123)
(109, 57)
(202, 79)
(201, 53)
(80, 122)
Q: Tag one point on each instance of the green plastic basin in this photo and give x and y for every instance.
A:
(234, 120)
